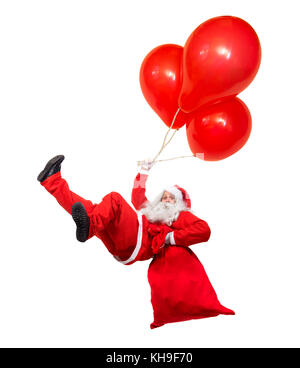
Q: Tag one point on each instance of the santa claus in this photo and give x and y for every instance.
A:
(162, 229)
(129, 235)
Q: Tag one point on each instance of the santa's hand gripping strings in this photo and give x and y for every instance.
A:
(161, 229)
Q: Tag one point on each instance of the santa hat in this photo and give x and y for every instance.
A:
(180, 194)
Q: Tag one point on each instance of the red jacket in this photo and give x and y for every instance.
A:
(187, 230)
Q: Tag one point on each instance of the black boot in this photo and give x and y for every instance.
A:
(52, 167)
(82, 221)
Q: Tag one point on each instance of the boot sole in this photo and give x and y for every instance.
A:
(43, 174)
(82, 222)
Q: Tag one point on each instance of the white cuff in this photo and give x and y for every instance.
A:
(172, 241)
(170, 238)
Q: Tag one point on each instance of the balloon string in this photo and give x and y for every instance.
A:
(165, 143)
(165, 138)
(175, 158)
(168, 159)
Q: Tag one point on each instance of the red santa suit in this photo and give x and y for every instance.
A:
(127, 233)
(180, 288)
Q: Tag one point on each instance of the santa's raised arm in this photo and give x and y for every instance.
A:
(138, 194)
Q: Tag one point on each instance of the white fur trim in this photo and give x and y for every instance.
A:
(172, 240)
(175, 191)
(139, 241)
(144, 172)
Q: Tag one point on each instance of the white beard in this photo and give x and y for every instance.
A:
(163, 212)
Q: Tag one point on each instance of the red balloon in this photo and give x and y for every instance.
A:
(161, 79)
(221, 58)
(218, 131)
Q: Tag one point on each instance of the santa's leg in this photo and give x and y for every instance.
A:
(52, 181)
(116, 223)
(59, 188)
(112, 220)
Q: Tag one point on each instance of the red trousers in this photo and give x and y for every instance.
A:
(113, 220)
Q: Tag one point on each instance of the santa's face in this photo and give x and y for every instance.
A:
(165, 211)
(168, 197)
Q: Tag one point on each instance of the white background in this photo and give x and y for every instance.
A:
(69, 84)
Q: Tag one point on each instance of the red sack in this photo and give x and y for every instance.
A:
(180, 288)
